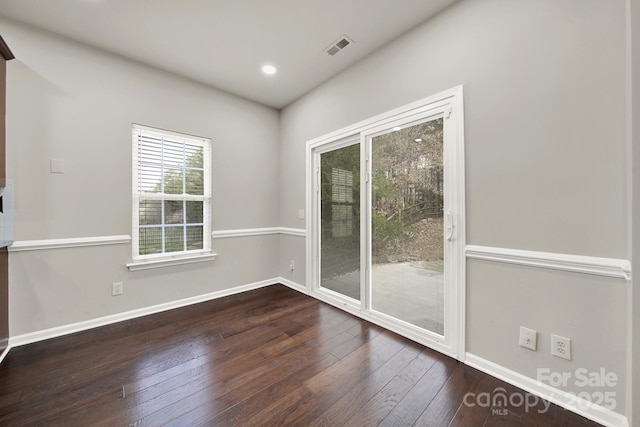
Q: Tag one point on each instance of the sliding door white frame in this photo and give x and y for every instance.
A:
(449, 106)
(314, 212)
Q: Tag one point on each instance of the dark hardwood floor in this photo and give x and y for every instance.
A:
(268, 357)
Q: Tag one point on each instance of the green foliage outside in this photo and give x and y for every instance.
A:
(175, 181)
(407, 187)
(406, 183)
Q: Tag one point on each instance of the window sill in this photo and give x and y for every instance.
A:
(168, 262)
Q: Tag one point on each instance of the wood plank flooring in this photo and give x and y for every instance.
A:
(269, 357)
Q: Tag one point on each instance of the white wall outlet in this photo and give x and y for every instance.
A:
(528, 338)
(292, 265)
(117, 288)
(561, 347)
(300, 213)
(56, 166)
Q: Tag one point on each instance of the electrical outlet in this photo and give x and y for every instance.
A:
(117, 288)
(292, 265)
(561, 347)
(300, 213)
(528, 338)
(56, 166)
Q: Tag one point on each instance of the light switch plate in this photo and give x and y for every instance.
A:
(528, 338)
(117, 288)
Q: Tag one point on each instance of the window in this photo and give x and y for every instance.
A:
(342, 202)
(171, 198)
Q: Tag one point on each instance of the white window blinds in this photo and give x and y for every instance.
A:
(171, 193)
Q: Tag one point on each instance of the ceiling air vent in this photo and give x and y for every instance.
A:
(338, 45)
(333, 50)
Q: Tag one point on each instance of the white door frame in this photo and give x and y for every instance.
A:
(449, 105)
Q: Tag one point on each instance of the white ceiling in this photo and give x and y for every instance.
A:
(223, 43)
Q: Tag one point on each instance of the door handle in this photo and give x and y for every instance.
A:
(449, 235)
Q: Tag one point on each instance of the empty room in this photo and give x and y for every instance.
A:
(327, 213)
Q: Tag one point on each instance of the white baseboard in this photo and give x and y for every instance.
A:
(4, 353)
(293, 285)
(46, 334)
(596, 413)
(561, 398)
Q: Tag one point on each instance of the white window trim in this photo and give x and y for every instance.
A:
(165, 262)
(145, 262)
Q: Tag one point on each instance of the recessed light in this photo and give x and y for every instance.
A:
(269, 70)
(418, 139)
(397, 128)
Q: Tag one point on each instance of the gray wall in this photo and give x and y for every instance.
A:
(75, 103)
(544, 84)
(634, 129)
(545, 150)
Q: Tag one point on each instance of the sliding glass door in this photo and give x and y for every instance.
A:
(407, 224)
(386, 230)
(339, 197)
